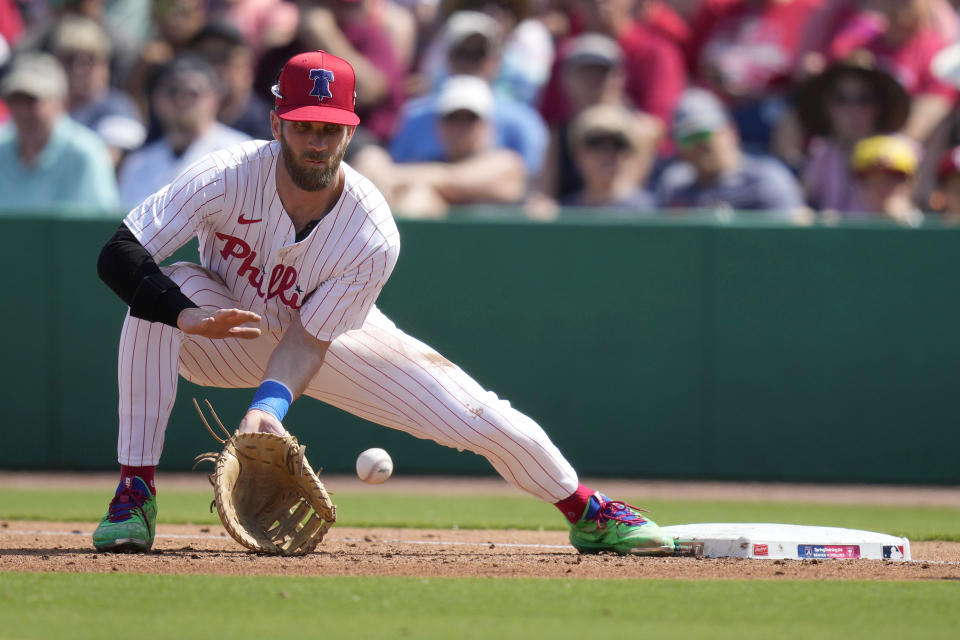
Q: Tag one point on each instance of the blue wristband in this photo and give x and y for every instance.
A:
(274, 398)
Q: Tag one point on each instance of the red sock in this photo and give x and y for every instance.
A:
(145, 473)
(574, 506)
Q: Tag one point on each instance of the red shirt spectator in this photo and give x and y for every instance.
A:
(663, 18)
(655, 72)
(655, 75)
(909, 61)
(11, 25)
(747, 47)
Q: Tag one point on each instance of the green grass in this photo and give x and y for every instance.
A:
(499, 512)
(80, 606)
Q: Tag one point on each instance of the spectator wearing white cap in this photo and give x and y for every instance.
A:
(473, 51)
(713, 172)
(47, 159)
(83, 48)
(472, 169)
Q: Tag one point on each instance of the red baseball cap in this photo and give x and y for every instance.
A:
(317, 87)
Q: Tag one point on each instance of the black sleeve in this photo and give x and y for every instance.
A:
(129, 269)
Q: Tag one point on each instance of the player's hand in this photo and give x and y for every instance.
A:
(222, 323)
(256, 421)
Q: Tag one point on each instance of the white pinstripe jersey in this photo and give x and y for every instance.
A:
(229, 201)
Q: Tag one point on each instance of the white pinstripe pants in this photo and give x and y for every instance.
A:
(376, 372)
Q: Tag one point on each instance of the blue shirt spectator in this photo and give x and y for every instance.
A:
(47, 159)
(516, 126)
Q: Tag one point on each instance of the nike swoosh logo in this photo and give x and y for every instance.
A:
(244, 220)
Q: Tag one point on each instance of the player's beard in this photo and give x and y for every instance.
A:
(309, 177)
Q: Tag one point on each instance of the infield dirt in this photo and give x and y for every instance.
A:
(48, 546)
(45, 546)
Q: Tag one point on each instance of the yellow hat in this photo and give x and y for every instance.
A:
(892, 153)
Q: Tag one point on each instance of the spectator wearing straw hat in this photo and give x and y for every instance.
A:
(84, 50)
(592, 72)
(904, 37)
(886, 168)
(845, 104)
(609, 152)
(47, 159)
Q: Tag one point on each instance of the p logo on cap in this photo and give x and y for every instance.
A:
(321, 83)
(317, 87)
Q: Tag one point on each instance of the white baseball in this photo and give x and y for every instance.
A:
(374, 466)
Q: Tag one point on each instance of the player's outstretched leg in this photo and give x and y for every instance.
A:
(611, 525)
(386, 376)
(130, 523)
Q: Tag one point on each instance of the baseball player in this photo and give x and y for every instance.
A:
(295, 247)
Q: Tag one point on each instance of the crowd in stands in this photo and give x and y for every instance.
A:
(802, 109)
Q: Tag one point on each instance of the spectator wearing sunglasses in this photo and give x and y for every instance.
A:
(903, 36)
(185, 100)
(592, 72)
(608, 150)
(848, 102)
(713, 172)
(84, 50)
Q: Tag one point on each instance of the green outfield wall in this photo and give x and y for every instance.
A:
(688, 349)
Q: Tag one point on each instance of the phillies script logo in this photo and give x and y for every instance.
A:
(283, 278)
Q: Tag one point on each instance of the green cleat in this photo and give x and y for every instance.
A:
(608, 525)
(130, 523)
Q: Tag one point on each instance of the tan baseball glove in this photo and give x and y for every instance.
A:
(268, 497)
